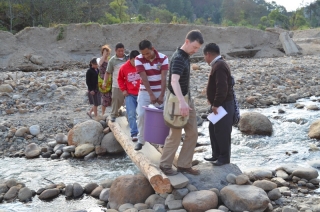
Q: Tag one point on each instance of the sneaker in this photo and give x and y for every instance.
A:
(168, 171)
(134, 138)
(138, 146)
(189, 170)
(113, 119)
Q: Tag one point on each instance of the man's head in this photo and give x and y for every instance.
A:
(211, 51)
(132, 56)
(146, 49)
(193, 42)
(119, 50)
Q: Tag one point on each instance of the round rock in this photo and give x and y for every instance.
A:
(34, 129)
(200, 201)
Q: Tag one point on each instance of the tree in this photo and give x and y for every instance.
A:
(297, 20)
(119, 8)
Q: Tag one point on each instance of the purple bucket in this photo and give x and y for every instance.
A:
(155, 130)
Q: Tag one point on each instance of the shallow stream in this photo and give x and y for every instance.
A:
(289, 144)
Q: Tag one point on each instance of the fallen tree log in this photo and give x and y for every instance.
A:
(159, 181)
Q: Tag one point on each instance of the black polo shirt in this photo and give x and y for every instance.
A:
(180, 65)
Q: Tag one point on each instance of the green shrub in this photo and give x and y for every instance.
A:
(60, 35)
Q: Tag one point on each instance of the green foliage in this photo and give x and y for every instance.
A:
(15, 15)
(161, 15)
(119, 9)
(61, 34)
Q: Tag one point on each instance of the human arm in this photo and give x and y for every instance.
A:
(103, 58)
(163, 86)
(109, 71)
(183, 105)
(221, 81)
(146, 84)
(89, 82)
(122, 82)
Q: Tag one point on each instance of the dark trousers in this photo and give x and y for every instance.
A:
(220, 134)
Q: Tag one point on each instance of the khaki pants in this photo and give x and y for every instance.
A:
(117, 101)
(173, 141)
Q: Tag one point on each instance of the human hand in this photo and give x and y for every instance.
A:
(184, 108)
(104, 85)
(215, 110)
(125, 93)
(92, 93)
(160, 99)
(153, 99)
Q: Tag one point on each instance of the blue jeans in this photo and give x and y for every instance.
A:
(131, 105)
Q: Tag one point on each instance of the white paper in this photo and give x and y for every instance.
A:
(215, 118)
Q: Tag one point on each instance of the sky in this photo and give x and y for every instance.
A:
(292, 5)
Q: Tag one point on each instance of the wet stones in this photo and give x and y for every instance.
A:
(25, 194)
(314, 131)
(49, 194)
(32, 150)
(254, 123)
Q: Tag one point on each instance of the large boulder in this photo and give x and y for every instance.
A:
(198, 201)
(314, 131)
(254, 123)
(240, 198)
(212, 176)
(88, 132)
(306, 173)
(32, 150)
(109, 144)
(83, 150)
(129, 189)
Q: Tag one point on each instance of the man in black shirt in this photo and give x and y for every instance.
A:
(178, 84)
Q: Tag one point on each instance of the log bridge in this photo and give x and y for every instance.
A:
(147, 159)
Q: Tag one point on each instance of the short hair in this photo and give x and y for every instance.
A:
(145, 44)
(105, 47)
(211, 48)
(119, 46)
(195, 35)
(93, 61)
(133, 54)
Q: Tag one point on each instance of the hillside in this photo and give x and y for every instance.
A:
(38, 47)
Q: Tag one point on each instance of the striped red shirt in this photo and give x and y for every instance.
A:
(153, 69)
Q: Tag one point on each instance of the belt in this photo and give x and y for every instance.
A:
(141, 89)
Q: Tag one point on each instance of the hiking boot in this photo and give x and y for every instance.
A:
(168, 171)
(189, 170)
(138, 147)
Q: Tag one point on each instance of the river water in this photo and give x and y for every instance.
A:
(289, 144)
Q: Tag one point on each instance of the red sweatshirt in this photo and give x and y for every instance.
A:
(129, 79)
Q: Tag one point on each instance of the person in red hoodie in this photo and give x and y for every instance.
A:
(129, 84)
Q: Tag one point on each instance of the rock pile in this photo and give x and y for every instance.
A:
(255, 190)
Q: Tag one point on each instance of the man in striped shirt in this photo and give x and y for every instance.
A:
(152, 67)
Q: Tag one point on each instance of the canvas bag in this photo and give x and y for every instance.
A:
(171, 113)
(108, 84)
